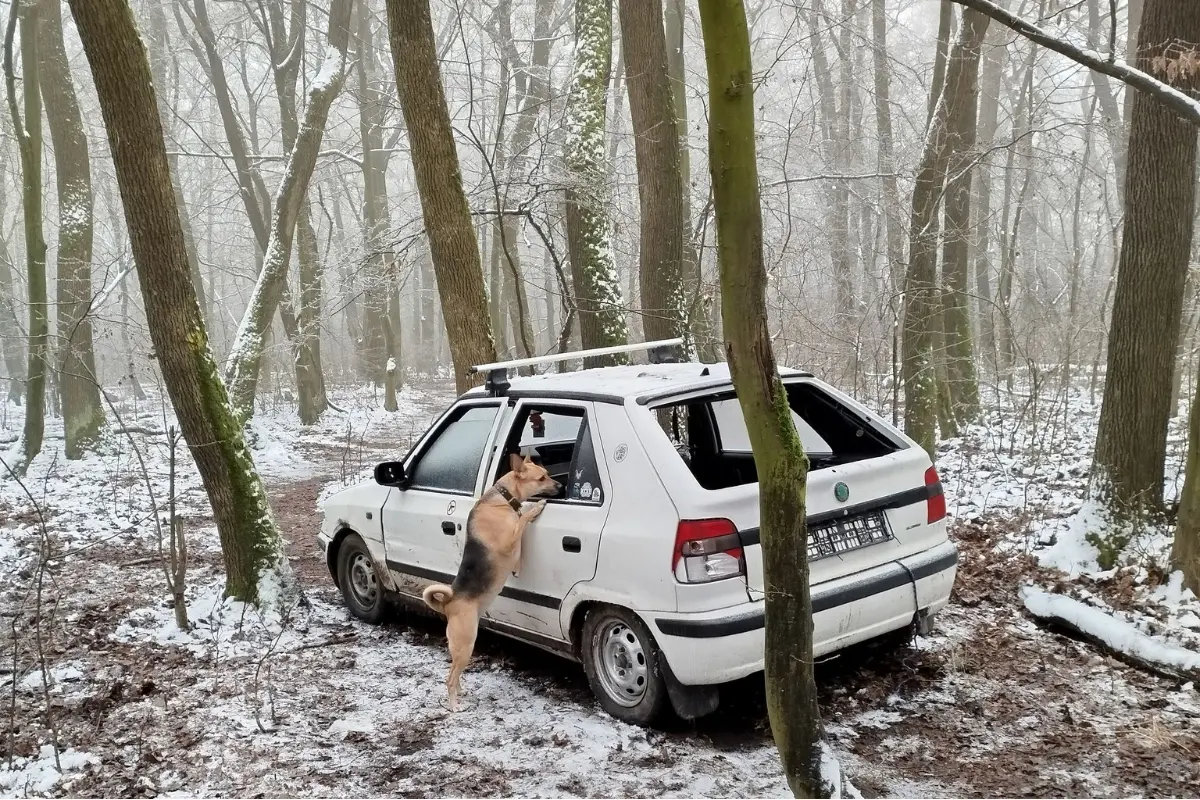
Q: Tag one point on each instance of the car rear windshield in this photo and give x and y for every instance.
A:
(710, 435)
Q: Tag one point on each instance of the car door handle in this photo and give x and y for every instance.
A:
(448, 528)
(572, 544)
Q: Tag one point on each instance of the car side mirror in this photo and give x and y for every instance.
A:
(391, 473)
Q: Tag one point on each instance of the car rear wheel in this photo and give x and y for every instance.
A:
(358, 581)
(620, 659)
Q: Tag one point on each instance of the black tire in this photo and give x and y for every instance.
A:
(360, 586)
(621, 661)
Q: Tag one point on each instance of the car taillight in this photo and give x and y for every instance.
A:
(707, 550)
(936, 504)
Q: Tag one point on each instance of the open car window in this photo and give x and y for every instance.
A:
(709, 434)
(451, 460)
(559, 438)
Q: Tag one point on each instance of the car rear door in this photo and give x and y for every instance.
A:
(424, 525)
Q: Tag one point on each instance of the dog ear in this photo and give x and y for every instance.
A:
(515, 463)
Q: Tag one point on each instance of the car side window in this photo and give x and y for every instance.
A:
(450, 463)
(559, 438)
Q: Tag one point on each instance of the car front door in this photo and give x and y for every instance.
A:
(424, 524)
(559, 549)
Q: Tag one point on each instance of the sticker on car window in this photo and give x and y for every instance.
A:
(596, 494)
(620, 453)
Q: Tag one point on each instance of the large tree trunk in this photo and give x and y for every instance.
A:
(778, 454)
(660, 185)
(439, 183)
(160, 54)
(256, 569)
(83, 415)
(920, 293)
(961, 384)
(29, 142)
(1159, 203)
(597, 287)
(248, 345)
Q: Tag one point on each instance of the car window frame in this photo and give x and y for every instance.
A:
(500, 437)
(438, 428)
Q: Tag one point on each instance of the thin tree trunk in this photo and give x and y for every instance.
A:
(920, 292)
(660, 183)
(28, 133)
(83, 415)
(937, 84)
(10, 329)
(439, 183)
(597, 286)
(995, 57)
(311, 398)
(1185, 550)
(1159, 214)
(778, 454)
(248, 344)
(256, 569)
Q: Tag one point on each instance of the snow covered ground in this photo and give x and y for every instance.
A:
(316, 704)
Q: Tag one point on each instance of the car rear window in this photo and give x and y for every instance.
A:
(709, 434)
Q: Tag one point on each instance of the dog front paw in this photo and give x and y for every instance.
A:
(536, 511)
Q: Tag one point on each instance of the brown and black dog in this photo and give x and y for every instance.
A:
(492, 551)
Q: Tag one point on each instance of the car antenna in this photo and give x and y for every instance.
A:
(496, 383)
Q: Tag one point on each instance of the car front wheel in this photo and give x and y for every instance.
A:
(621, 662)
(358, 581)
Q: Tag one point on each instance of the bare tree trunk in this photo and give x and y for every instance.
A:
(83, 416)
(961, 385)
(778, 454)
(1159, 214)
(937, 84)
(28, 133)
(160, 54)
(10, 329)
(373, 350)
(660, 184)
(921, 295)
(242, 373)
(1185, 550)
(994, 60)
(256, 569)
(597, 287)
(311, 398)
(439, 183)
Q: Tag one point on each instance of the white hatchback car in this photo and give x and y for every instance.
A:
(647, 568)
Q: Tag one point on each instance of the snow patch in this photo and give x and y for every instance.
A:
(34, 776)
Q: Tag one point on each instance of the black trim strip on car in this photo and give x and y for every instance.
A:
(511, 592)
(559, 647)
(751, 536)
(898, 576)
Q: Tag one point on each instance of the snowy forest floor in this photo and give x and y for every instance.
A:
(317, 704)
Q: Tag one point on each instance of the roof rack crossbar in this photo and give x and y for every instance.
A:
(660, 350)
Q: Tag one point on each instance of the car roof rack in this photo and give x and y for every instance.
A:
(663, 351)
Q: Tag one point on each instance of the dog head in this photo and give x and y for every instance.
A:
(531, 479)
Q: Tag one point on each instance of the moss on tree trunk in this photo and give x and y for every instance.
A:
(256, 568)
(778, 454)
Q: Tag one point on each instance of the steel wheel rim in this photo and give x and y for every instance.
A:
(621, 663)
(362, 580)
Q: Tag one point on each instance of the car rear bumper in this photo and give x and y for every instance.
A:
(724, 645)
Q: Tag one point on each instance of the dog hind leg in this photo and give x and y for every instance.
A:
(461, 630)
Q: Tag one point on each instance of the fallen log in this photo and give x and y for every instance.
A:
(1114, 636)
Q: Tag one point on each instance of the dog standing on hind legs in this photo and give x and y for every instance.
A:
(493, 550)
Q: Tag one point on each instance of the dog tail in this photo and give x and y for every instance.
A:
(437, 596)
